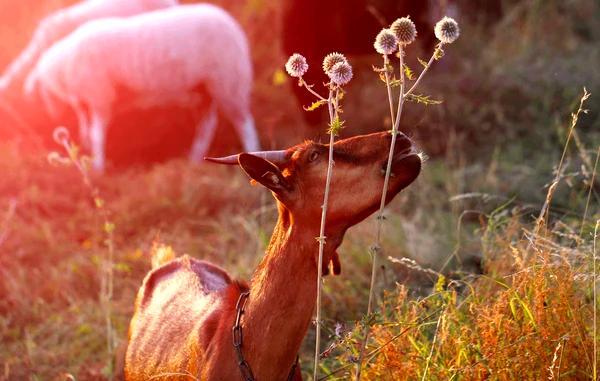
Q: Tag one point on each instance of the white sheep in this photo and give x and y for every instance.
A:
(62, 22)
(161, 57)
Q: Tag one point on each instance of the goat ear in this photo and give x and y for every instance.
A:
(264, 172)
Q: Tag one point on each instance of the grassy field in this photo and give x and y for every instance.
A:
(491, 295)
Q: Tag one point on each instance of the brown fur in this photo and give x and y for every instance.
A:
(185, 309)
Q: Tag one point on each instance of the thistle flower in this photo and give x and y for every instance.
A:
(341, 73)
(296, 65)
(60, 135)
(331, 59)
(405, 30)
(446, 30)
(386, 42)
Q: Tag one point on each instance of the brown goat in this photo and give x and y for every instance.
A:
(185, 309)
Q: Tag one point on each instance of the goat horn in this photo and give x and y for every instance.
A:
(276, 157)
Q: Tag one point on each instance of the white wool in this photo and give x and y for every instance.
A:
(157, 55)
(62, 22)
(161, 57)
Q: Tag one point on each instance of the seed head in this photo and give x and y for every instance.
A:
(296, 65)
(446, 30)
(386, 42)
(341, 73)
(405, 30)
(331, 59)
(60, 135)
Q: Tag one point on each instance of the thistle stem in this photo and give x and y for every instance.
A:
(332, 103)
(107, 279)
(377, 245)
(319, 96)
(414, 86)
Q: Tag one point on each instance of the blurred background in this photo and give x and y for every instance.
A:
(507, 87)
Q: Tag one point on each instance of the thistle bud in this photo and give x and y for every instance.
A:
(341, 73)
(60, 135)
(331, 59)
(405, 30)
(386, 42)
(296, 65)
(446, 30)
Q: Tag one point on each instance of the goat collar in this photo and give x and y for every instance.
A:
(238, 340)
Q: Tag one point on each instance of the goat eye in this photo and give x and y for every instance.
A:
(313, 156)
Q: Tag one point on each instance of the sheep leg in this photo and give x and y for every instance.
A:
(247, 133)
(234, 103)
(204, 135)
(98, 140)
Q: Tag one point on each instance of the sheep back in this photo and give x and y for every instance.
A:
(62, 22)
(158, 56)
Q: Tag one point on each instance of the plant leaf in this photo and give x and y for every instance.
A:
(408, 73)
(336, 126)
(315, 105)
(527, 312)
(424, 99)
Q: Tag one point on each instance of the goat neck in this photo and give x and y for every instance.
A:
(282, 299)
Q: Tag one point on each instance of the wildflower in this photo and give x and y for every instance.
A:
(446, 30)
(296, 65)
(60, 135)
(386, 42)
(339, 329)
(331, 59)
(341, 73)
(405, 30)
